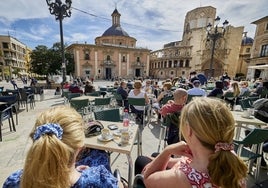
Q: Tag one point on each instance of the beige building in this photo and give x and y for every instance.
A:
(259, 55)
(244, 56)
(13, 61)
(114, 54)
(194, 51)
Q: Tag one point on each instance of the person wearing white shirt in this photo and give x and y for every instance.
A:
(196, 90)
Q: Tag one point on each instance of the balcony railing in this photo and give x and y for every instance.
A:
(108, 63)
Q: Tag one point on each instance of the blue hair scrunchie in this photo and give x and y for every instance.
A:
(48, 128)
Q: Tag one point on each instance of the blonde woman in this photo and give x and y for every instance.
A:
(206, 159)
(58, 137)
(137, 92)
(235, 91)
(234, 88)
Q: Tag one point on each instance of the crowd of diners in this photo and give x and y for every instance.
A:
(204, 149)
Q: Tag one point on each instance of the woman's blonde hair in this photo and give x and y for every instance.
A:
(137, 84)
(236, 88)
(212, 122)
(168, 85)
(49, 159)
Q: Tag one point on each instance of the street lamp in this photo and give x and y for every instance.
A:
(60, 11)
(214, 35)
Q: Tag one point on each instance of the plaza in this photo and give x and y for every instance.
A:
(15, 145)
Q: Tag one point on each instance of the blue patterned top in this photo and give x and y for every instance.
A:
(93, 177)
(97, 176)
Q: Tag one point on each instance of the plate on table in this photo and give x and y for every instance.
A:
(119, 132)
(100, 138)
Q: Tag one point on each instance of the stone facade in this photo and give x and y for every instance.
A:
(244, 56)
(114, 55)
(193, 52)
(13, 61)
(259, 54)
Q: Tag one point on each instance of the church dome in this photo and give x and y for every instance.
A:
(115, 30)
(247, 40)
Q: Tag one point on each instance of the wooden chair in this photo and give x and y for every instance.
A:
(250, 148)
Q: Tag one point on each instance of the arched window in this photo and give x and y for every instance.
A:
(87, 56)
(124, 58)
(108, 58)
(181, 63)
(187, 63)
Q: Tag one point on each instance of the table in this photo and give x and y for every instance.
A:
(113, 146)
(90, 98)
(239, 119)
(3, 103)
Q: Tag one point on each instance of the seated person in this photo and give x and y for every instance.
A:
(66, 85)
(74, 88)
(196, 90)
(58, 137)
(174, 107)
(206, 158)
(122, 90)
(218, 90)
(244, 89)
(165, 93)
(234, 89)
(89, 88)
(137, 92)
(116, 84)
(148, 88)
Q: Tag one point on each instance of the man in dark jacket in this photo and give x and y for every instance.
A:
(123, 92)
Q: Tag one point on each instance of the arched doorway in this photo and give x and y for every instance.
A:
(217, 68)
(108, 73)
(138, 73)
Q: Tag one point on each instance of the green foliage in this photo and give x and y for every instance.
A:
(48, 61)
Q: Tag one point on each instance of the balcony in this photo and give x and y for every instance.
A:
(108, 63)
(138, 65)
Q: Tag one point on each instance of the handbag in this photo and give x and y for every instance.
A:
(93, 128)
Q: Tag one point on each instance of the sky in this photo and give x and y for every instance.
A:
(152, 22)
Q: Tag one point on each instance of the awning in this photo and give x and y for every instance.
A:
(258, 67)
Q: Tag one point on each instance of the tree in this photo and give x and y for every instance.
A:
(48, 61)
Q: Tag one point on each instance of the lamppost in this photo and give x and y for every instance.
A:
(60, 11)
(213, 34)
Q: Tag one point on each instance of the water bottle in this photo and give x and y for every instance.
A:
(125, 119)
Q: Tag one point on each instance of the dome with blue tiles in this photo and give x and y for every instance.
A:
(246, 40)
(115, 29)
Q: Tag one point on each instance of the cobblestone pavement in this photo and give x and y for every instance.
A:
(15, 145)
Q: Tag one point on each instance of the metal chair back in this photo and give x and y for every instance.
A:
(255, 139)
(108, 115)
(190, 97)
(80, 106)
